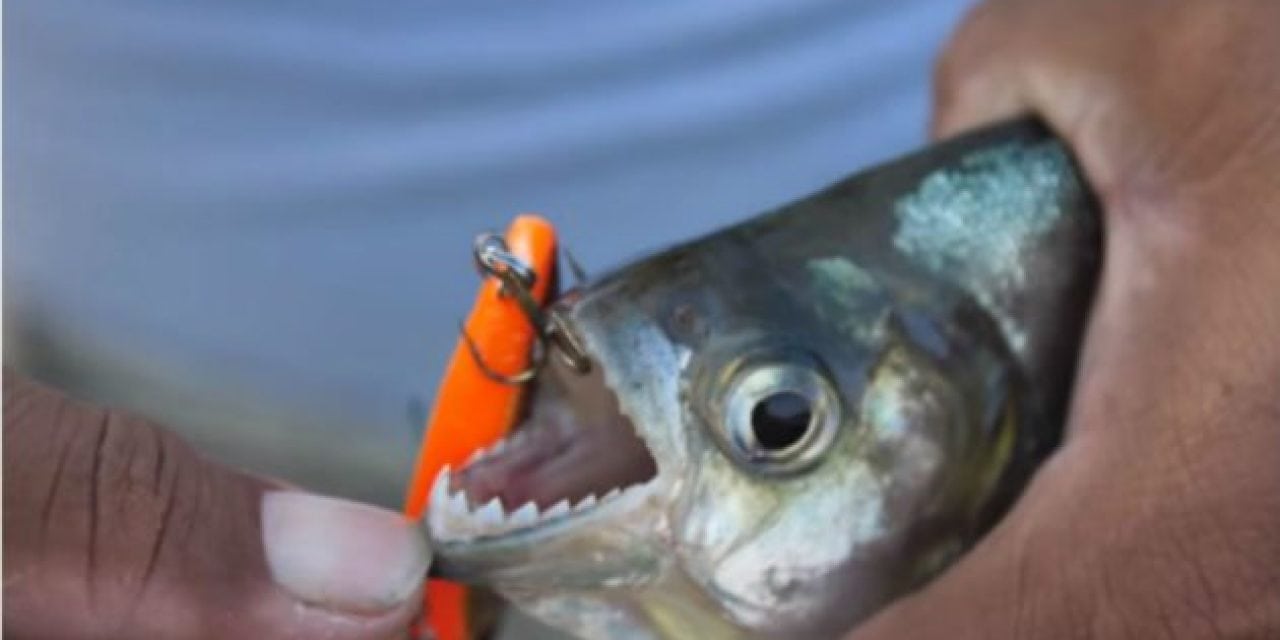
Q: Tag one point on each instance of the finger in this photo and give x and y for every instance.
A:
(1137, 88)
(116, 529)
(975, 81)
(1061, 60)
(1050, 57)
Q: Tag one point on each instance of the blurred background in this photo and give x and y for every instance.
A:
(251, 219)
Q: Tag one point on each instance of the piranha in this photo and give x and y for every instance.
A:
(791, 422)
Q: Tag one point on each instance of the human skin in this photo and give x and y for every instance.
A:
(114, 528)
(1160, 515)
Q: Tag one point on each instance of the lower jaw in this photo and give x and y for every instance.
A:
(586, 550)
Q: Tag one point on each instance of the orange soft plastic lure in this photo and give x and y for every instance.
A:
(472, 410)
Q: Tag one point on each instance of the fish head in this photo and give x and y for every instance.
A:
(787, 424)
(768, 448)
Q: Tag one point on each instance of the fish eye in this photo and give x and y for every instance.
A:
(778, 417)
(781, 420)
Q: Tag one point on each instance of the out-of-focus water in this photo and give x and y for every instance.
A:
(252, 218)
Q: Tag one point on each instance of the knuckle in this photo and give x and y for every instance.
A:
(137, 485)
(960, 51)
(971, 74)
(113, 513)
(112, 502)
(88, 495)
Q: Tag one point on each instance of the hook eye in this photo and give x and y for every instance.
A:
(494, 258)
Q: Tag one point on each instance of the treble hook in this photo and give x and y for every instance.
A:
(494, 259)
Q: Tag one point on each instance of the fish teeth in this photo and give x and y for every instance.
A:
(457, 505)
(558, 510)
(439, 498)
(483, 453)
(585, 504)
(453, 517)
(440, 488)
(449, 514)
(491, 516)
(525, 516)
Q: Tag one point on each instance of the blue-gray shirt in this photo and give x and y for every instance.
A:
(252, 218)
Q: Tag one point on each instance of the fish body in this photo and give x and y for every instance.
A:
(793, 421)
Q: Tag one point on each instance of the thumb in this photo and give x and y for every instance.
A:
(114, 528)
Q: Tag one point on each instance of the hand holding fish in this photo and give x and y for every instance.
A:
(1160, 514)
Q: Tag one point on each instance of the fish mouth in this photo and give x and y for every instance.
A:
(577, 456)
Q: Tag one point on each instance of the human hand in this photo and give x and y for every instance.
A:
(1160, 515)
(113, 528)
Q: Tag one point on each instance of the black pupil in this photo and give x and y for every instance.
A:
(780, 420)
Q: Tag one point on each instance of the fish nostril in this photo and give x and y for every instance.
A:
(781, 419)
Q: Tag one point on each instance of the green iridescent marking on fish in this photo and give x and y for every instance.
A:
(974, 222)
(848, 297)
